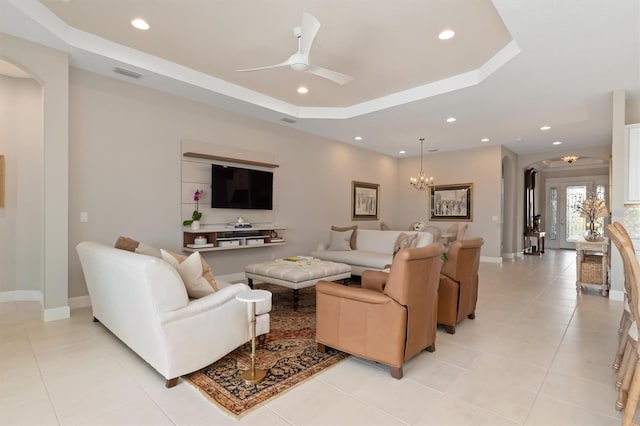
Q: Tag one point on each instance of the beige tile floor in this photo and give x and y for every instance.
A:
(537, 354)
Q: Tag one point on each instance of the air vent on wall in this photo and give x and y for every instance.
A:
(127, 73)
(288, 120)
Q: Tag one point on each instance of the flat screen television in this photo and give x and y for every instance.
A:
(238, 188)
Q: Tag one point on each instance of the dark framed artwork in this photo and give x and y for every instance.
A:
(452, 202)
(364, 200)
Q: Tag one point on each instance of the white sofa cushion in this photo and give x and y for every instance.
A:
(370, 259)
(372, 240)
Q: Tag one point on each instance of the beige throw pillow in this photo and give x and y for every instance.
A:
(354, 235)
(191, 272)
(148, 250)
(404, 241)
(126, 243)
(340, 240)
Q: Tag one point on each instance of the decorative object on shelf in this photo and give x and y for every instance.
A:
(364, 200)
(421, 182)
(451, 202)
(536, 223)
(570, 159)
(591, 208)
(419, 226)
(200, 239)
(196, 215)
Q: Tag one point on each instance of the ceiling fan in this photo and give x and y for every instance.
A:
(299, 61)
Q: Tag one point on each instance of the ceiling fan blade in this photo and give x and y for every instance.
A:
(334, 76)
(283, 64)
(310, 27)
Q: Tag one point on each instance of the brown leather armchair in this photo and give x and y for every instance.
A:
(391, 318)
(458, 290)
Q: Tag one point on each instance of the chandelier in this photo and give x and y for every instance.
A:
(422, 182)
(570, 158)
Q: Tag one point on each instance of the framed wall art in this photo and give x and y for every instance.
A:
(364, 200)
(452, 202)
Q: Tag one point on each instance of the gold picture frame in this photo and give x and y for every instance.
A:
(364, 200)
(452, 203)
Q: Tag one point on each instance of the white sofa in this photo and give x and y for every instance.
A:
(142, 300)
(374, 249)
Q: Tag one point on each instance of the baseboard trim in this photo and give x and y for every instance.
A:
(56, 314)
(616, 295)
(21, 296)
(79, 302)
(490, 259)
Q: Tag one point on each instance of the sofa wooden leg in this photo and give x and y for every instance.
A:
(396, 372)
(451, 329)
(95, 319)
(472, 315)
(322, 348)
(431, 348)
(171, 382)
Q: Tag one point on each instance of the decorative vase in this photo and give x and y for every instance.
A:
(195, 225)
(592, 234)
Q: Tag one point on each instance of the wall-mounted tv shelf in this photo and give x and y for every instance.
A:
(229, 159)
(223, 238)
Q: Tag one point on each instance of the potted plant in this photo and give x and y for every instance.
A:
(196, 215)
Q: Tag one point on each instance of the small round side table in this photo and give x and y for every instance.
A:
(254, 375)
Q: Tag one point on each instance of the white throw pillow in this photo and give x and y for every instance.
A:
(190, 271)
(148, 250)
(340, 240)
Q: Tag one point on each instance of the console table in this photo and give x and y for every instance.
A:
(592, 261)
(528, 248)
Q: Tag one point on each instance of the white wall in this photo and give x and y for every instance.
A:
(51, 69)
(481, 166)
(21, 256)
(125, 160)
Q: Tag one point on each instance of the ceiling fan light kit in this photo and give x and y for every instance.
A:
(299, 61)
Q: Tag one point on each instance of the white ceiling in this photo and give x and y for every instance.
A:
(513, 66)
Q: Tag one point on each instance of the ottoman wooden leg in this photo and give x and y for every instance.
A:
(250, 282)
(296, 298)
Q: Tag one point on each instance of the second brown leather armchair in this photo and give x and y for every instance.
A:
(391, 318)
(458, 291)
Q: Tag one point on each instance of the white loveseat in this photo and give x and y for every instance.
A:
(374, 249)
(142, 300)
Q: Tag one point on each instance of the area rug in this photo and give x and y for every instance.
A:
(289, 356)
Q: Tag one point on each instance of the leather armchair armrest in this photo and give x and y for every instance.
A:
(374, 280)
(352, 293)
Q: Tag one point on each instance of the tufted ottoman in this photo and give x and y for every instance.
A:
(297, 274)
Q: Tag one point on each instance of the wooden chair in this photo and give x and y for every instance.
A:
(627, 318)
(629, 375)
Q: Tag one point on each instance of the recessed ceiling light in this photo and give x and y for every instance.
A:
(484, 140)
(302, 90)
(451, 119)
(543, 128)
(140, 24)
(358, 138)
(446, 34)
(557, 143)
(402, 152)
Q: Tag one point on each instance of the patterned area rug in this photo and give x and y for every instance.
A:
(289, 356)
